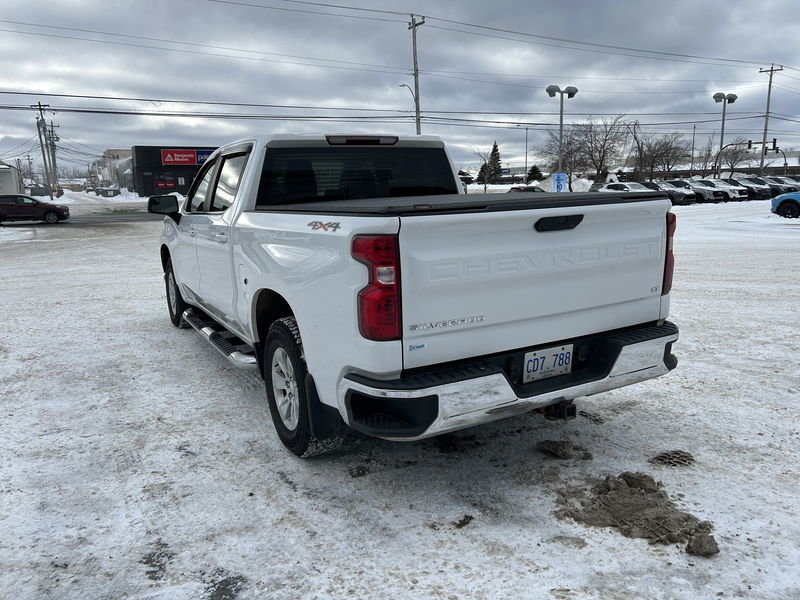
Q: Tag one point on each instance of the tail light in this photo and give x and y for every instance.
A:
(669, 261)
(379, 301)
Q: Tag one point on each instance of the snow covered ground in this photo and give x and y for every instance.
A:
(136, 463)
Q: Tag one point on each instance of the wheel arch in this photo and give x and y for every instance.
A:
(268, 306)
(165, 257)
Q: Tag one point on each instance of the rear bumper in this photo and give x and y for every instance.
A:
(454, 397)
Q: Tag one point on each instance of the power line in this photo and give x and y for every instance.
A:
(675, 55)
(592, 50)
(625, 92)
(311, 12)
(196, 44)
(206, 102)
(10, 150)
(196, 52)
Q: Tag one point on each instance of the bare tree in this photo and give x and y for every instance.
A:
(673, 150)
(573, 158)
(704, 159)
(601, 143)
(484, 155)
(734, 155)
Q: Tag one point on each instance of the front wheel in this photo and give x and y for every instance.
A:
(285, 377)
(50, 217)
(789, 210)
(175, 303)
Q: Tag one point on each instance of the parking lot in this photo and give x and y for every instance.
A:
(137, 463)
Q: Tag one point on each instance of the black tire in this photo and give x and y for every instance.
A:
(50, 217)
(175, 303)
(789, 210)
(285, 377)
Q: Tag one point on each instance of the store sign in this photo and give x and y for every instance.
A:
(202, 156)
(179, 157)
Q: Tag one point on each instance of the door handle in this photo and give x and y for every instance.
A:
(221, 237)
(558, 223)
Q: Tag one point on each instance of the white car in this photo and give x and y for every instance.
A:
(732, 192)
(631, 186)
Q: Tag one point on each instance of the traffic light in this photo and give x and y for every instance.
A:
(749, 144)
(774, 144)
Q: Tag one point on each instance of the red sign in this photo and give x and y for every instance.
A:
(178, 157)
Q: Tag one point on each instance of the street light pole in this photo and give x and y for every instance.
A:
(570, 91)
(725, 99)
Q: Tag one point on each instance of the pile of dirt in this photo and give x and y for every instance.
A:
(637, 506)
(673, 458)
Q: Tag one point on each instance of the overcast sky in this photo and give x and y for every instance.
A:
(323, 59)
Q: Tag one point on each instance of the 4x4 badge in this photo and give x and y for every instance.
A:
(316, 225)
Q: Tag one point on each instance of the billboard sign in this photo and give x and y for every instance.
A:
(202, 156)
(179, 157)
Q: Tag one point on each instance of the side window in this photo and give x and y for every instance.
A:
(617, 186)
(228, 183)
(197, 197)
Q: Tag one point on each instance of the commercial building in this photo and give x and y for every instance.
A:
(165, 169)
(10, 180)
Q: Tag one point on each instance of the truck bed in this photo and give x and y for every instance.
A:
(458, 203)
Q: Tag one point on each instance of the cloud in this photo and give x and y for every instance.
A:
(214, 51)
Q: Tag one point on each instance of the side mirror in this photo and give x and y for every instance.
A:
(163, 205)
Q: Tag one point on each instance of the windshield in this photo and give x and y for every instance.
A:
(705, 182)
(324, 173)
(666, 185)
(639, 187)
(680, 184)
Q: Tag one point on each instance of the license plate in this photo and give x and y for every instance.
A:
(550, 362)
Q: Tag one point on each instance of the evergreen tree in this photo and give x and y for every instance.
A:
(493, 174)
(534, 174)
(482, 175)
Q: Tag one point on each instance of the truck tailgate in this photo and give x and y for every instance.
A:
(480, 283)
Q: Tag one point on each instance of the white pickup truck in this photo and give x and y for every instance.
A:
(370, 292)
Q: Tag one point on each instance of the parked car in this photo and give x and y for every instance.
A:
(788, 181)
(704, 193)
(676, 194)
(775, 188)
(755, 191)
(15, 207)
(787, 205)
(305, 258)
(107, 192)
(782, 187)
(525, 188)
(631, 186)
(733, 192)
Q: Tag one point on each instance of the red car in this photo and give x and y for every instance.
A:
(15, 207)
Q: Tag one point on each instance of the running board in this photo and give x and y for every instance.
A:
(239, 353)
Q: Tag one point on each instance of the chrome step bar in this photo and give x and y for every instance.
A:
(212, 332)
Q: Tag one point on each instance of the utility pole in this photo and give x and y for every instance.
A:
(772, 70)
(53, 138)
(30, 166)
(413, 27)
(19, 175)
(42, 124)
(691, 168)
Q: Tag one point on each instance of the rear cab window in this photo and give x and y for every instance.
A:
(321, 173)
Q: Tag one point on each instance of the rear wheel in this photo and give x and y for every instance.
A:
(175, 303)
(285, 377)
(790, 210)
(50, 217)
